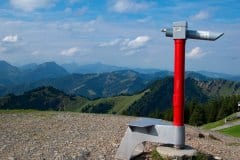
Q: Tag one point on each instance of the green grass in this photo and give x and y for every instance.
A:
(155, 155)
(120, 103)
(233, 131)
(123, 102)
(217, 123)
(76, 105)
(213, 124)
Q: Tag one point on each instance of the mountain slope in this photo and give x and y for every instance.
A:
(7, 71)
(219, 87)
(112, 105)
(120, 82)
(43, 71)
(159, 98)
(91, 85)
(43, 98)
(91, 68)
(154, 101)
(28, 67)
(11, 75)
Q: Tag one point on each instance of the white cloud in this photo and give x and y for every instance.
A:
(138, 42)
(195, 53)
(82, 27)
(127, 44)
(10, 38)
(110, 43)
(201, 15)
(70, 52)
(123, 6)
(31, 5)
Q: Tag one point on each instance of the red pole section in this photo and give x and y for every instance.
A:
(178, 91)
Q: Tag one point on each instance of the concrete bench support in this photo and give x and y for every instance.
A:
(149, 130)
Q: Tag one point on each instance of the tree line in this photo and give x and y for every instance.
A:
(197, 114)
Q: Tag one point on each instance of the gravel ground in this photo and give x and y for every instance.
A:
(66, 135)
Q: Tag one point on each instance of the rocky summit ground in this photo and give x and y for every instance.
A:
(65, 135)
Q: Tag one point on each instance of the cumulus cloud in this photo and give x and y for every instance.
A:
(127, 44)
(124, 6)
(10, 38)
(201, 15)
(195, 53)
(31, 5)
(80, 27)
(138, 42)
(70, 52)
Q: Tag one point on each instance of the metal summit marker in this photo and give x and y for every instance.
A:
(156, 130)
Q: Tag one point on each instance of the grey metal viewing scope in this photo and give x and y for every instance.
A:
(180, 31)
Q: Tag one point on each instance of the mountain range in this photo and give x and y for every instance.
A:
(154, 101)
(18, 80)
(29, 73)
(103, 68)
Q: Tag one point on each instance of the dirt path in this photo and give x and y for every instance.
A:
(63, 135)
(227, 125)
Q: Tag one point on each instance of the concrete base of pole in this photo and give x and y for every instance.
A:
(167, 151)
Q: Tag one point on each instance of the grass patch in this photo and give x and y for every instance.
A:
(156, 156)
(76, 105)
(123, 102)
(201, 156)
(120, 103)
(219, 123)
(213, 124)
(233, 131)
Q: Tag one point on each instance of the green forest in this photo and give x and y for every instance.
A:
(155, 101)
(197, 114)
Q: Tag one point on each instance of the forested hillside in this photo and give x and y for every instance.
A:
(156, 101)
(42, 98)
(160, 97)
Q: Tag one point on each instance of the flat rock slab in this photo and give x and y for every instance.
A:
(169, 151)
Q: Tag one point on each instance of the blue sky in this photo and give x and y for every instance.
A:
(118, 32)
